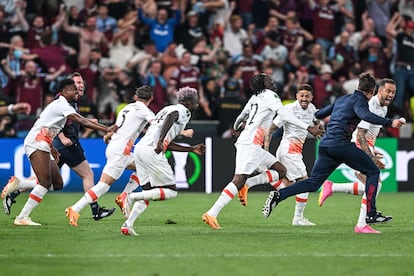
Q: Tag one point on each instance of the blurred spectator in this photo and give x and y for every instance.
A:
(126, 84)
(51, 56)
(158, 85)
(190, 31)
(105, 23)
(17, 15)
(404, 61)
(342, 56)
(140, 61)
(322, 85)
(108, 98)
(28, 87)
(32, 39)
(123, 48)
(69, 39)
(12, 64)
(91, 78)
(170, 60)
(250, 65)
(245, 8)
(203, 55)
(232, 89)
(300, 76)
(89, 37)
(212, 94)
(90, 9)
(314, 58)
(336, 92)
(380, 12)
(234, 36)
(187, 75)
(293, 35)
(275, 55)
(259, 38)
(324, 22)
(351, 84)
(377, 58)
(162, 28)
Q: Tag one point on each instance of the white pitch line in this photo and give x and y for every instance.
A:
(178, 256)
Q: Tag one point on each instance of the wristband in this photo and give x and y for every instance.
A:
(10, 109)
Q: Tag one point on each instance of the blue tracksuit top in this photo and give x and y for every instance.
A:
(346, 113)
(163, 34)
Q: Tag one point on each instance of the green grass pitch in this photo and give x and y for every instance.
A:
(247, 245)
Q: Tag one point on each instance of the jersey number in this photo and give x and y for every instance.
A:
(123, 117)
(254, 107)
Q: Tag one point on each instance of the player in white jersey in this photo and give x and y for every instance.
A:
(289, 152)
(250, 156)
(38, 146)
(131, 121)
(151, 164)
(365, 136)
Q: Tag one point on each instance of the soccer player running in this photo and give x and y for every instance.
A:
(336, 148)
(131, 121)
(250, 156)
(153, 170)
(39, 148)
(71, 153)
(364, 137)
(289, 152)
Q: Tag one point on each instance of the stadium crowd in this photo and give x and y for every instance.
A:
(215, 46)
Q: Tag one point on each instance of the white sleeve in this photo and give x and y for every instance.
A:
(278, 121)
(290, 118)
(242, 116)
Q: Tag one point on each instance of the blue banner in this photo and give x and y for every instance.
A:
(13, 161)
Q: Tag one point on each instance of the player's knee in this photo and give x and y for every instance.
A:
(57, 184)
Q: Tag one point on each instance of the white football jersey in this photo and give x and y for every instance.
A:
(291, 132)
(373, 130)
(153, 133)
(50, 122)
(131, 121)
(261, 110)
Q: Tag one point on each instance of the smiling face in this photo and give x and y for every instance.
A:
(386, 94)
(304, 98)
(80, 84)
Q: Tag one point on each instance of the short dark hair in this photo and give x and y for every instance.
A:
(144, 92)
(305, 86)
(64, 84)
(384, 81)
(367, 82)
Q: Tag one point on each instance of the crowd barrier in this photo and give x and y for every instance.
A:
(212, 172)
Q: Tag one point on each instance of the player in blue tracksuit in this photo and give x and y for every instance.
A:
(336, 148)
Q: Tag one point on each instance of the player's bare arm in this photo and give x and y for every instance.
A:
(363, 144)
(91, 123)
(168, 122)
